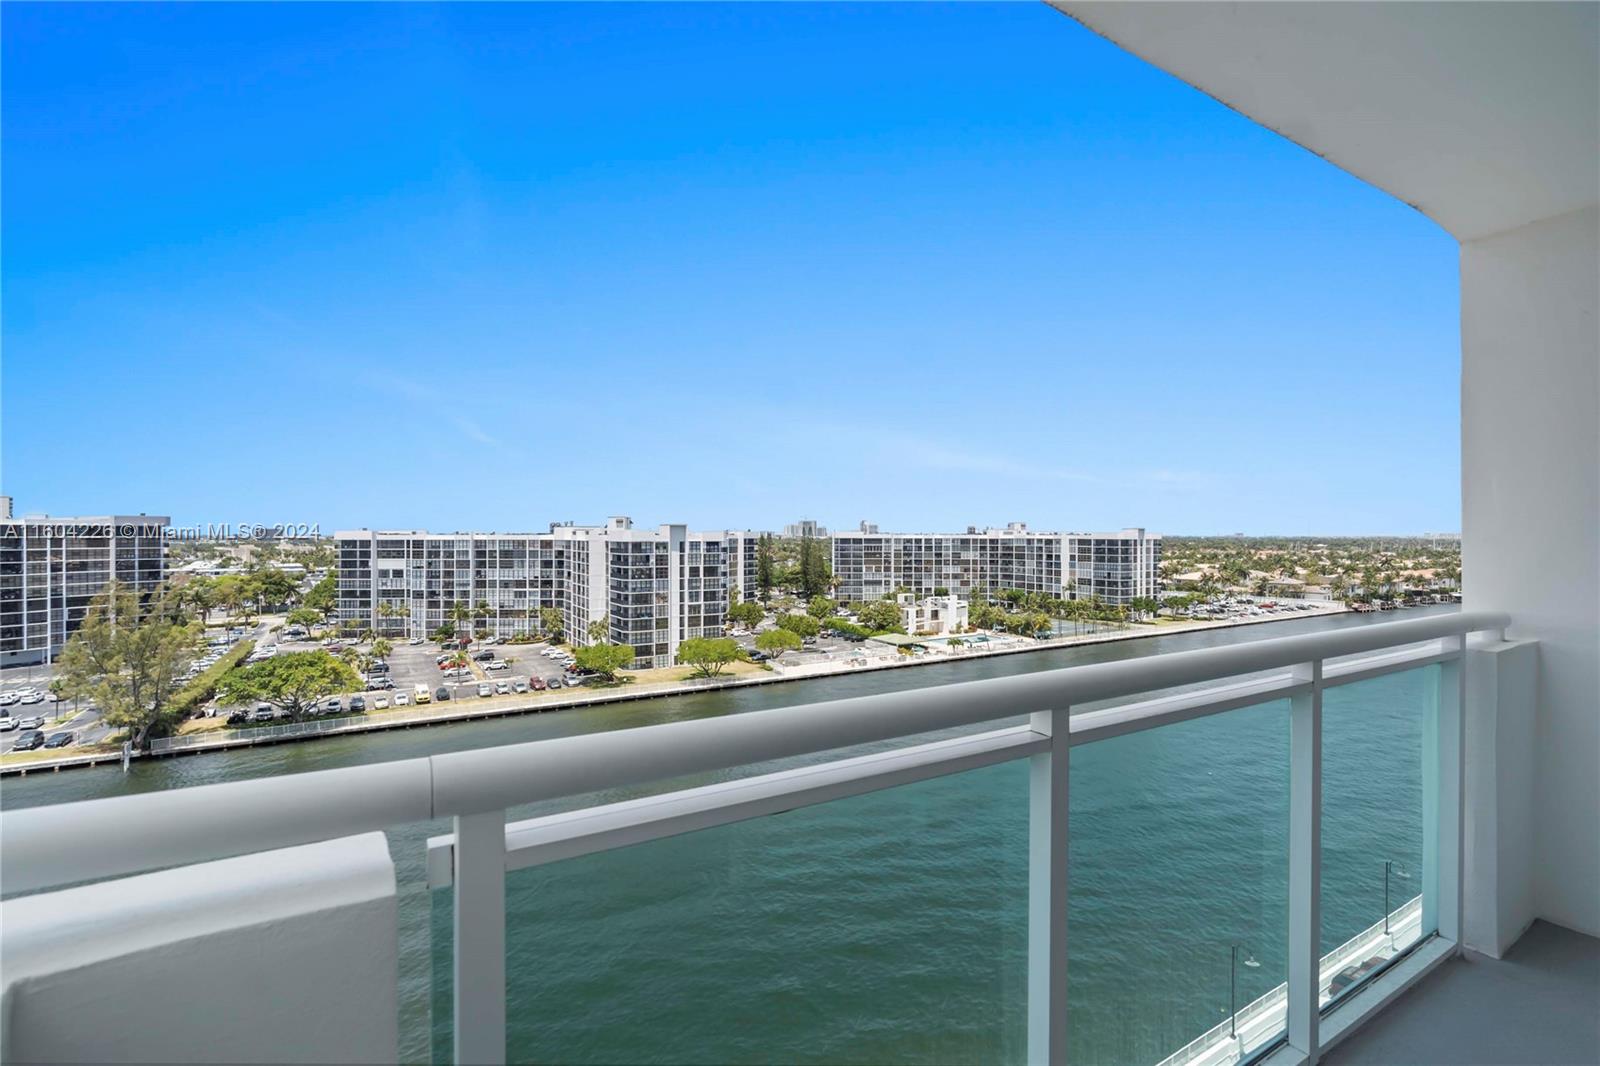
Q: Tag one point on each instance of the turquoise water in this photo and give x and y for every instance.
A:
(891, 927)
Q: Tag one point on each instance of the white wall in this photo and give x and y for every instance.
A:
(1530, 472)
(281, 956)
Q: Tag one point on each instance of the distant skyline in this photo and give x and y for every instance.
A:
(488, 267)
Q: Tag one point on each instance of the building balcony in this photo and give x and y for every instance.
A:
(1347, 857)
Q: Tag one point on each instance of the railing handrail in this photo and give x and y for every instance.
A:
(90, 839)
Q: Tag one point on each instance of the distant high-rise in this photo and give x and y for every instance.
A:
(806, 527)
(51, 569)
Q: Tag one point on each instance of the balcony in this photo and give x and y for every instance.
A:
(1014, 762)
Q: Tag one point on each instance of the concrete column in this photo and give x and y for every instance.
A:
(1530, 458)
(1502, 691)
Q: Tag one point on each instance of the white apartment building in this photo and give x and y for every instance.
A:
(653, 587)
(51, 569)
(1116, 567)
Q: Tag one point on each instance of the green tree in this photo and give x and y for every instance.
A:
(304, 616)
(748, 614)
(880, 616)
(777, 641)
(815, 573)
(708, 655)
(604, 659)
(552, 622)
(801, 625)
(381, 648)
(128, 660)
(201, 594)
(324, 595)
(599, 629)
(294, 682)
(820, 607)
(764, 566)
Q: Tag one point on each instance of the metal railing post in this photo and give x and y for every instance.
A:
(1443, 799)
(1047, 892)
(1305, 863)
(480, 938)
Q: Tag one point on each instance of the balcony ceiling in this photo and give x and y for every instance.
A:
(1483, 116)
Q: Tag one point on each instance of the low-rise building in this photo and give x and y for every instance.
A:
(932, 615)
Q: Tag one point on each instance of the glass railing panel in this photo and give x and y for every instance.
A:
(1177, 898)
(888, 927)
(1372, 823)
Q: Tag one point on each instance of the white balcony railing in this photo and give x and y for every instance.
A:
(49, 846)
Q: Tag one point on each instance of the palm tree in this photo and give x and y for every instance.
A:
(458, 613)
(385, 611)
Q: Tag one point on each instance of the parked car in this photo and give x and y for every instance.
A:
(358, 705)
(28, 741)
(536, 683)
(380, 703)
(51, 697)
(7, 724)
(32, 697)
(757, 656)
(498, 664)
(420, 694)
(379, 667)
(8, 698)
(402, 698)
(263, 713)
(553, 683)
(441, 694)
(502, 688)
(33, 722)
(59, 740)
(483, 656)
(519, 685)
(485, 689)
(333, 706)
(238, 717)
(415, 641)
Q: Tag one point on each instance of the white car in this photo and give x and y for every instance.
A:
(519, 685)
(402, 698)
(33, 697)
(51, 697)
(8, 698)
(485, 689)
(415, 641)
(7, 724)
(501, 688)
(380, 703)
(497, 664)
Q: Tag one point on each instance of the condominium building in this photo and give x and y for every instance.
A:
(653, 588)
(1115, 568)
(51, 569)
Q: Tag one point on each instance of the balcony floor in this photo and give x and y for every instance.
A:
(1540, 1004)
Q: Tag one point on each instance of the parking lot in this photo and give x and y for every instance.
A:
(25, 698)
(410, 665)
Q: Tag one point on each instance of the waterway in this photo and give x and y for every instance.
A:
(892, 927)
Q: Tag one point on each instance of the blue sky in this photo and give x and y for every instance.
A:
(492, 266)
